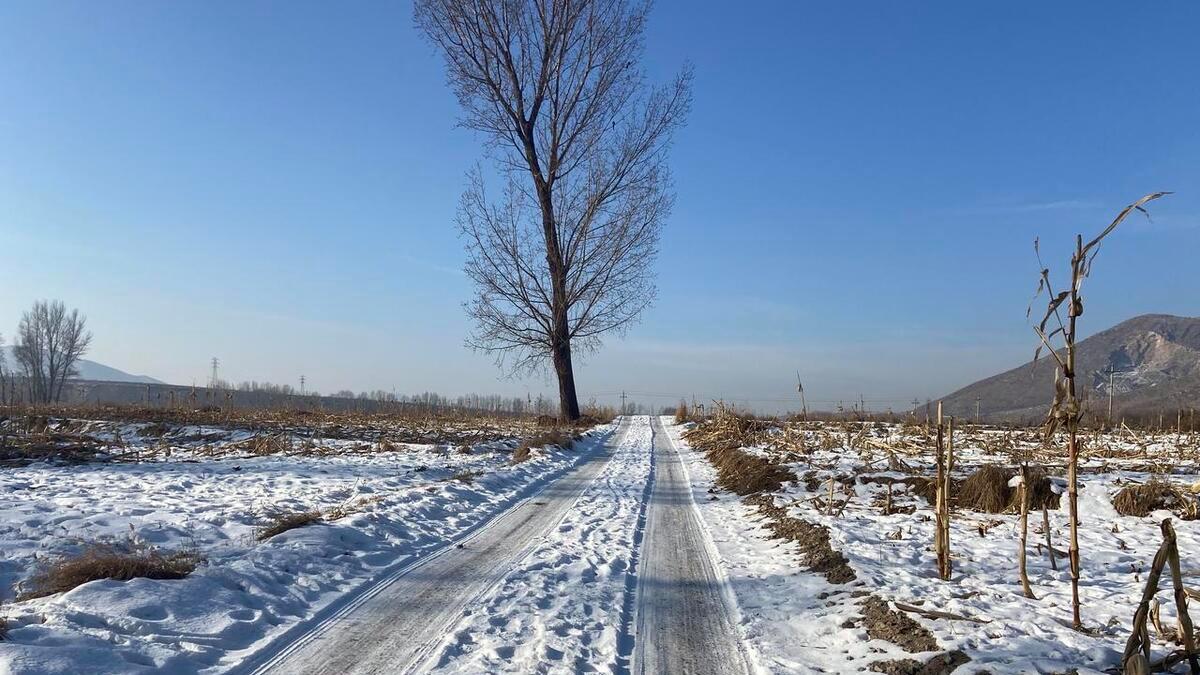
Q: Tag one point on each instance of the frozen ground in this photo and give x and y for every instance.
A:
(401, 502)
(796, 621)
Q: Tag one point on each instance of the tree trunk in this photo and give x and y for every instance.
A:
(568, 402)
(560, 338)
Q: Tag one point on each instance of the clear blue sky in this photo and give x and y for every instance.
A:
(858, 190)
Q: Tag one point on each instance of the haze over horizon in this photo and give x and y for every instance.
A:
(278, 190)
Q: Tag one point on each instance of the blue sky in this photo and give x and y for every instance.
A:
(858, 190)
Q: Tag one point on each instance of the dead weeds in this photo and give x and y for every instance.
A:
(1154, 495)
(108, 561)
(282, 522)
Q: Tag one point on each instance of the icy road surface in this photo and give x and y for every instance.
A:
(687, 616)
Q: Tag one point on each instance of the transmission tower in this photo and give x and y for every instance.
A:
(215, 379)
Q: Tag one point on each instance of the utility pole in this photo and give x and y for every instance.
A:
(301, 385)
(1111, 371)
(622, 403)
(976, 410)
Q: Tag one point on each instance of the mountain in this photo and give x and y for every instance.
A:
(91, 370)
(1156, 364)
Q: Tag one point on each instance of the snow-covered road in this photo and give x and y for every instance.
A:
(608, 569)
(687, 617)
(395, 626)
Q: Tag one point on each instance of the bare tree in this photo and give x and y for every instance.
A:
(49, 343)
(564, 256)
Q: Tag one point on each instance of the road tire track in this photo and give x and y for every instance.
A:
(686, 618)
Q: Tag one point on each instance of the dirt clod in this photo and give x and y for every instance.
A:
(884, 623)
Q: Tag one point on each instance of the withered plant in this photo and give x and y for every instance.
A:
(1066, 412)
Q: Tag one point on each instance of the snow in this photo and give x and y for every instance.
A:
(563, 606)
(794, 619)
(400, 504)
(566, 604)
(791, 618)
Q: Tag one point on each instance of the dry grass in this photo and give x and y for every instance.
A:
(745, 474)
(350, 508)
(987, 490)
(681, 413)
(466, 476)
(555, 437)
(1157, 494)
(522, 453)
(1041, 496)
(926, 488)
(282, 522)
(107, 561)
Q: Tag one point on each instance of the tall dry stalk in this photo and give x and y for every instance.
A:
(1066, 411)
(941, 536)
(1023, 494)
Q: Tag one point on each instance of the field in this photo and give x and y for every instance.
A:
(199, 542)
(865, 489)
(361, 496)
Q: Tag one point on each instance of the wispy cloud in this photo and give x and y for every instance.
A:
(1034, 206)
(433, 266)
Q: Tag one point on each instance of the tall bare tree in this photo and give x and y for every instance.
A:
(564, 255)
(50, 340)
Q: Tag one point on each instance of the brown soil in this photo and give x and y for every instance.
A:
(812, 539)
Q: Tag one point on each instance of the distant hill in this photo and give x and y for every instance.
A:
(91, 370)
(1157, 363)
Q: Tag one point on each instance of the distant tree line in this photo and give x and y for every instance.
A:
(429, 399)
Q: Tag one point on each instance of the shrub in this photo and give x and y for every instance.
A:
(108, 561)
(282, 522)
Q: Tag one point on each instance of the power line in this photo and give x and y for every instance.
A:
(648, 394)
